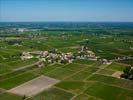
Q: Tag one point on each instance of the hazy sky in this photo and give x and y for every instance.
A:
(66, 10)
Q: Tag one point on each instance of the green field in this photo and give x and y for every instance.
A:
(53, 94)
(116, 66)
(16, 80)
(7, 96)
(112, 81)
(107, 92)
(78, 82)
(81, 80)
(88, 62)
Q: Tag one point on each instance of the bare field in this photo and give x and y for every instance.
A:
(34, 86)
(117, 74)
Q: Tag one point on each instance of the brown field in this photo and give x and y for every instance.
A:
(34, 86)
(117, 74)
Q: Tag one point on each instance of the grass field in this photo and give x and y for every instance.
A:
(17, 80)
(112, 81)
(88, 62)
(53, 94)
(8, 96)
(12, 65)
(80, 80)
(107, 92)
(86, 85)
(85, 97)
(106, 72)
(117, 66)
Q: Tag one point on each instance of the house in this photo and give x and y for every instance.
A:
(22, 30)
(90, 54)
(69, 55)
(40, 64)
(26, 55)
(44, 54)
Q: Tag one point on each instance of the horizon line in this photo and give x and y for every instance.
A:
(68, 21)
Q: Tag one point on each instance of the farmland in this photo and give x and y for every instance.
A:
(81, 79)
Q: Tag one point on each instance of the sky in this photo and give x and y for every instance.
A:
(66, 10)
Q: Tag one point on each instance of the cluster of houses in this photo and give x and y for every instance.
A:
(123, 58)
(48, 56)
(85, 53)
(56, 56)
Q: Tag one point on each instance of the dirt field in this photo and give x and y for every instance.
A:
(117, 74)
(34, 86)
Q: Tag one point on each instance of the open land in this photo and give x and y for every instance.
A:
(34, 86)
(80, 79)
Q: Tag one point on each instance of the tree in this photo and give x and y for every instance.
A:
(127, 73)
(24, 97)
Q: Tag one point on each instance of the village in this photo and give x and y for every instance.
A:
(55, 56)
